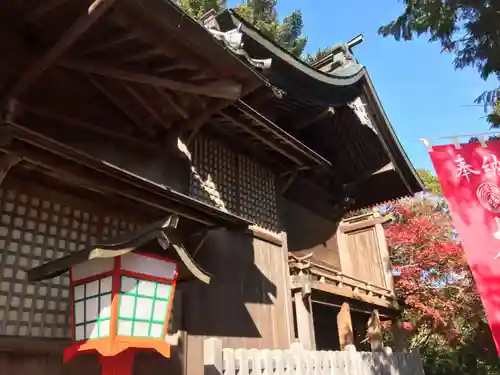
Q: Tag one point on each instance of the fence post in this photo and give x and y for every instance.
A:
(212, 356)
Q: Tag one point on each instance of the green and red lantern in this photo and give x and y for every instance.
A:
(121, 295)
(121, 304)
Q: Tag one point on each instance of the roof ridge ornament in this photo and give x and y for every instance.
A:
(233, 39)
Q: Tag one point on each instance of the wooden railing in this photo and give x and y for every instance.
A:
(296, 361)
(305, 266)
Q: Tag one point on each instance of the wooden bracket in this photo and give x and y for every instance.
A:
(291, 178)
(200, 244)
(7, 161)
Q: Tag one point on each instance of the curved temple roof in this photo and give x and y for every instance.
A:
(291, 73)
(335, 81)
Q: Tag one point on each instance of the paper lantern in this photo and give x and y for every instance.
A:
(121, 303)
(122, 295)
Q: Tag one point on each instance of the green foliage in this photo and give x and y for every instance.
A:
(430, 181)
(321, 53)
(491, 100)
(262, 14)
(468, 28)
(197, 8)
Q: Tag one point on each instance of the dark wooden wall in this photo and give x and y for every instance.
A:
(309, 232)
(166, 167)
(248, 304)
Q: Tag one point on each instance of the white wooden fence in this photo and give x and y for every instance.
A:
(296, 361)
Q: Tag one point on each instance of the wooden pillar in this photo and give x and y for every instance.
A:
(399, 335)
(374, 332)
(344, 325)
(304, 316)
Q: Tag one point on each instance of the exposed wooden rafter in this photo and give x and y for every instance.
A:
(170, 47)
(171, 101)
(62, 119)
(309, 120)
(141, 55)
(263, 139)
(108, 43)
(221, 88)
(177, 66)
(197, 122)
(147, 106)
(111, 92)
(69, 37)
(42, 151)
(41, 10)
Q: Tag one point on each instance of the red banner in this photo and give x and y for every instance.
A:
(470, 180)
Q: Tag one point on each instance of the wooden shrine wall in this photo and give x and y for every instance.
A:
(208, 171)
(38, 225)
(233, 183)
(247, 304)
(308, 232)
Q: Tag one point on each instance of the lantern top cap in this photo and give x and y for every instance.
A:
(165, 232)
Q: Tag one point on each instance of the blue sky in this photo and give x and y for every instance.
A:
(421, 92)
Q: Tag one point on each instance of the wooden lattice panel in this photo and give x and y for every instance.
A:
(233, 183)
(214, 175)
(36, 228)
(257, 194)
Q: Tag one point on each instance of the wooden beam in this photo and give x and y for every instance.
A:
(46, 7)
(177, 66)
(6, 163)
(344, 325)
(114, 97)
(141, 55)
(146, 105)
(108, 43)
(198, 121)
(69, 37)
(101, 181)
(81, 124)
(171, 102)
(374, 332)
(348, 293)
(311, 119)
(221, 88)
(260, 137)
(133, 20)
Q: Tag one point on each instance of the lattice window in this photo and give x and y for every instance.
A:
(143, 306)
(257, 194)
(233, 183)
(214, 175)
(92, 313)
(36, 228)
